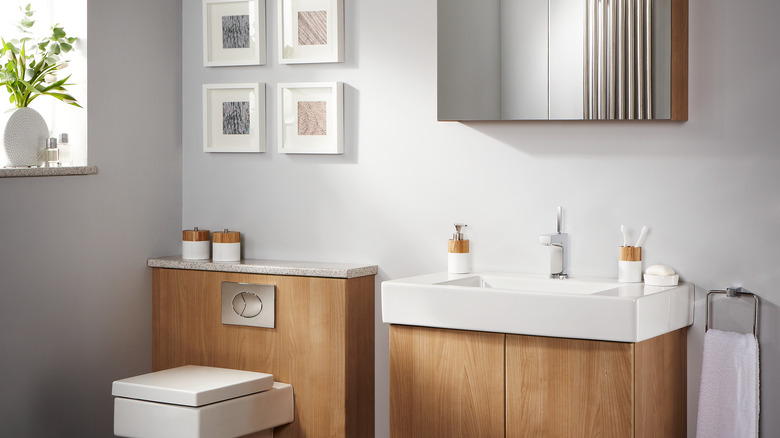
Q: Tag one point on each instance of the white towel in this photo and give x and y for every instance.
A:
(728, 397)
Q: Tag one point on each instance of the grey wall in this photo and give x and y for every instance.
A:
(75, 293)
(709, 188)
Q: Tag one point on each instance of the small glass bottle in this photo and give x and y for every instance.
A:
(65, 152)
(52, 153)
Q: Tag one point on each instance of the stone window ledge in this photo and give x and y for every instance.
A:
(47, 171)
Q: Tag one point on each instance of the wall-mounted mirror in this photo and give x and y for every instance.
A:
(562, 59)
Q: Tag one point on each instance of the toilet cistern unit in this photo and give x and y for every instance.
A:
(200, 402)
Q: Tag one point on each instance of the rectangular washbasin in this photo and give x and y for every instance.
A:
(600, 309)
(529, 283)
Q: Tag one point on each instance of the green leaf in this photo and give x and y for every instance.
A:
(42, 45)
(30, 88)
(72, 40)
(29, 5)
(27, 22)
(55, 86)
(58, 32)
(63, 97)
(66, 47)
(55, 48)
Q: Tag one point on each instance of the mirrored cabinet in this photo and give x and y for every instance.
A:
(562, 60)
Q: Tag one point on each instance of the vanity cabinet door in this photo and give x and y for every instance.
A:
(569, 388)
(446, 383)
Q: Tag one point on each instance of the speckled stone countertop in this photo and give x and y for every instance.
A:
(19, 172)
(268, 267)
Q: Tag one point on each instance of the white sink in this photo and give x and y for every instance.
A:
(601, 309)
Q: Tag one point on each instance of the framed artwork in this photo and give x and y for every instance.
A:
(233, 32)
(311, 118)
(311, 31)
(234, 117)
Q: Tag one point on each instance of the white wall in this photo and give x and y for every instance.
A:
(75, 292)
(709, 188)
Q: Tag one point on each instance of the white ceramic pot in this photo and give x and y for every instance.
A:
(25, 137)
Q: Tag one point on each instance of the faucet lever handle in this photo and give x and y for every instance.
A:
(560, 219)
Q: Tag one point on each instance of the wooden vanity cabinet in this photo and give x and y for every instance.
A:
(442, 385)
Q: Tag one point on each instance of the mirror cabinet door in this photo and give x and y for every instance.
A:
(524, 67)
(562, 59)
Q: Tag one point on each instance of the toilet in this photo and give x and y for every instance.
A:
(201, 402)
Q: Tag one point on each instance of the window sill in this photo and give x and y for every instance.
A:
(47, 171)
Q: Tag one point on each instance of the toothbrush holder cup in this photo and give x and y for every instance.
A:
(630, 264)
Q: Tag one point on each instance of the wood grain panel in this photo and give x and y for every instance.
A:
(360, 357)
(679, 60)
(568, 388)
(446, 383)
(661, 395)
(308, 348)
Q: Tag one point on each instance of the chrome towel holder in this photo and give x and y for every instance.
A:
(733, 292)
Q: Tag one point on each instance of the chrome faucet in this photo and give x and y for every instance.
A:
(557, 243)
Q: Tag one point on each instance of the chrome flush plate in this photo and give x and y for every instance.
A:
(248, 304)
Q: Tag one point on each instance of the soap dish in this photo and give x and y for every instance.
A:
(662, 280)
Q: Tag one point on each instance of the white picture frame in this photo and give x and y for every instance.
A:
(234, 117)
(234, 33)
(311, 118)
(311, 31)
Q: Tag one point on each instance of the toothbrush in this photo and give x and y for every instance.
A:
(642, 237)
(625, 236)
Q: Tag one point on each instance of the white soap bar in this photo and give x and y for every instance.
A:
(659, 270)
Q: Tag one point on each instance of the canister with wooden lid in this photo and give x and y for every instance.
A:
(195, 244)
(226, 246)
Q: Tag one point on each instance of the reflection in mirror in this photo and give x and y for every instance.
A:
(562, 59)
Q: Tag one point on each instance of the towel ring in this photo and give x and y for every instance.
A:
(732, 292)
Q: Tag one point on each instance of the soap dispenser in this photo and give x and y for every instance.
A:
(458, 257)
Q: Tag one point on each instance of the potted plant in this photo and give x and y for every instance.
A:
(29, 68)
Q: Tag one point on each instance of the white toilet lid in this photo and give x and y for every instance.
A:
(192, 385)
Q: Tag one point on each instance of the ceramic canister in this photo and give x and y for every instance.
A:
(195, 244)
(226, 246)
